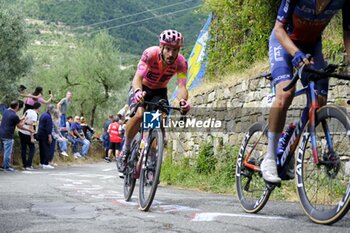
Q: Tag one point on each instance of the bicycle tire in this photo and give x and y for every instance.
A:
(150, 170)
(247, 179)
(323, 205)
(129, 174)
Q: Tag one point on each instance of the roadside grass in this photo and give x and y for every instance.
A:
(213, 173)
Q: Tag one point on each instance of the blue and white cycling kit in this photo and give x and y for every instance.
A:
(304, 21)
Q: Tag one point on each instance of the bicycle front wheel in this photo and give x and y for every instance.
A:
(150, 171)
(252, 191)
(129, 175)
(324, 189)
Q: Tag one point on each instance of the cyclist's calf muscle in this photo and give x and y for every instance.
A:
(279, 107)
(133, 125)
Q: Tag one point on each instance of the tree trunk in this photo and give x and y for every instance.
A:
(92, 118)
(82, 108)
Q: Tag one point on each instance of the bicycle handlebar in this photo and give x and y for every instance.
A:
(160, 104)
(327, 73)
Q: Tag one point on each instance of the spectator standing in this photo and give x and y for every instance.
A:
(45, 136)
(105, 135)
(123, 111)
(27, 138)
(80, 138)
(62, 106)
(34, 98)
(7, 129)
(114, 131)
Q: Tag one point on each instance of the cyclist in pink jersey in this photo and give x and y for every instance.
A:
(156, 67)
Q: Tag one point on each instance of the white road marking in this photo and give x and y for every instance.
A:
(109, 169)
(33, 172)
(174, 208)
(207, 217)
(62, 174)
(107, 177)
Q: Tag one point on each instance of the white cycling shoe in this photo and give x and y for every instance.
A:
(269, 171)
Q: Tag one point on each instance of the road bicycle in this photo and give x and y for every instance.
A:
(145, 160)
(321, 139)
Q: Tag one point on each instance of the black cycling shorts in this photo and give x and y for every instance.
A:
(152, 95)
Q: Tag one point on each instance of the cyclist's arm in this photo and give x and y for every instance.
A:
(137, 82)
(181, 84)
(284, 38)
(142, 69)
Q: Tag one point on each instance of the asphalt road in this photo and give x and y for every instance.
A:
(89, 198)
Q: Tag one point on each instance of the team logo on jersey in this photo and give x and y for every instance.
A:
(151, 120)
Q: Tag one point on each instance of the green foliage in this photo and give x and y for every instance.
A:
(221, 179)
(240, 32)
(333, 48)
(185, 173)
(206, 160)
(226, 165)
(241, 29)
(134, 38)
(91, 70)
(14, 62)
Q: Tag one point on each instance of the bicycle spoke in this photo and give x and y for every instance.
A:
(251, 188)
(325, 185)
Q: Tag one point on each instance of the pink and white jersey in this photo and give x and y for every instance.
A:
(150, 67)
(32, 101)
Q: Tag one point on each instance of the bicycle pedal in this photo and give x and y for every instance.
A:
(271, 185)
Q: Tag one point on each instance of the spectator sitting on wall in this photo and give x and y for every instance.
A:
(71, 137)
(58, 137)
(79, 136)
(88, 131)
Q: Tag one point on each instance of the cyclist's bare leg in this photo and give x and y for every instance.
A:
(132, 127)
(278, 112)
(277, 119)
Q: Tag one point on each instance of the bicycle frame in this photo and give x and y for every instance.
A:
(311, 171)
(144, 150)
(308, 115)
(141, 152)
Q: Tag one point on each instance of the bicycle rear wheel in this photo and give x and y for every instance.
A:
(129, 175)
(150, 171)
(252, 191)
(324, 189)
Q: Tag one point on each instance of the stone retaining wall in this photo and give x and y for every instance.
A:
(237, 106)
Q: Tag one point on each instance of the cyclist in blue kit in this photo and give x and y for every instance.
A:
(297, 32)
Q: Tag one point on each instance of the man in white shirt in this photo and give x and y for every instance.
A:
(27, 138)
